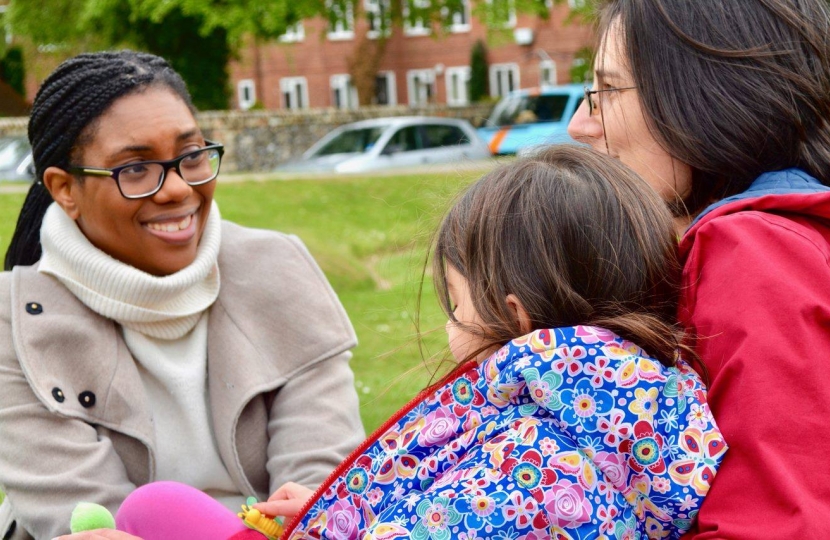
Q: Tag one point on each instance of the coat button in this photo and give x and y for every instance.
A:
(87, 399)
(57, 393)
(34, 308)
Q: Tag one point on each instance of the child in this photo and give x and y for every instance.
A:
(554, 271)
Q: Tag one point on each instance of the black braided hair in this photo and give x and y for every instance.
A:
(63, 118)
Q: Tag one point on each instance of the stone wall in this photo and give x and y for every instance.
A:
(260, 140)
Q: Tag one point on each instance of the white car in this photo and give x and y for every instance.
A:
(394, 142)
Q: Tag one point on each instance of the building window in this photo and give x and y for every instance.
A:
(502, 13)
(341, 20)
(379, 14)
(458, 85)
(547, 73)
(246, 92)
(420, 84)
(385, 89)
(294, 92)
(294, 33)
(415, 17)
(343, 92)
(459, 17)
(504, 78)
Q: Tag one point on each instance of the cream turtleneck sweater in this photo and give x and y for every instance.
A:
(164, 324)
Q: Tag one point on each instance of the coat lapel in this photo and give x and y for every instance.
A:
(232, 384)
(67, 350)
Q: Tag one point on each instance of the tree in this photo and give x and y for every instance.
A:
(197, 37)
(479, 78)
(12, 70)
(200, 60)
(200, 36)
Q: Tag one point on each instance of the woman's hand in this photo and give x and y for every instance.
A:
(287, 501)
(99, 534)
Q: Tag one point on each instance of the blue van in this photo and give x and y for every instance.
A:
(528, 118)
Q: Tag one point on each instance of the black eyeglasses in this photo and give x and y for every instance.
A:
(594, 106)
(145, 178)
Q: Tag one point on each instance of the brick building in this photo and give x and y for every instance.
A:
(309, 65)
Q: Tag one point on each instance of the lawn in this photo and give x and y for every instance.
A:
(370, 236)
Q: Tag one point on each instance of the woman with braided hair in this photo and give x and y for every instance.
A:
(122, 359)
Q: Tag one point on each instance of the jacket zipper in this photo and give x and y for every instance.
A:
(350, 459)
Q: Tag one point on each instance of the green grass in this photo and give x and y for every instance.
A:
(370, 236)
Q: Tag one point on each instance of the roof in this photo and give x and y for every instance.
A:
(401, 120)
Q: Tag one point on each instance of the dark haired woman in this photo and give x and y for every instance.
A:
(122, 358)
(723, 106)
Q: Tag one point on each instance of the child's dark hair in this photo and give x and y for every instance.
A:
(578, 237)
(63, 119)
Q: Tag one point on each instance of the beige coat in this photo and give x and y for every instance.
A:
(278, 345)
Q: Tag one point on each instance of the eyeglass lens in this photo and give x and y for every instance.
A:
(195, 168)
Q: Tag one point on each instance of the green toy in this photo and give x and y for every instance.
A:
(90, 516)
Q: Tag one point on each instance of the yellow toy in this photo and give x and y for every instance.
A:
(272, 528)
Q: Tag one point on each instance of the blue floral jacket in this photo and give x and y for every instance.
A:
(572, 433)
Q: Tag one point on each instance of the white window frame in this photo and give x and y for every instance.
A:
(344, 25)
(289, 85)
(243, 87)
(460, 20)
(421, 28)
(413, 88)
(547, 65)
(294, 33)
(342, 82)
(391, 86)
(378, 10)
(462, 75)
(498, 73)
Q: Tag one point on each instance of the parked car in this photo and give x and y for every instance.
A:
(15, 159)
(394, 142)
(526, 119)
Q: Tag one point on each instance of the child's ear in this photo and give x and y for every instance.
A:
(520, 313)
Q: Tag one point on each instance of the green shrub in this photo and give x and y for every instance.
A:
(479, 76)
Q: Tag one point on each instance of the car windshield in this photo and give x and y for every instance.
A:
(525, 109)
(352, 141)
(12, 151)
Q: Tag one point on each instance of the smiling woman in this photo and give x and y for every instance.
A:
(122, 359)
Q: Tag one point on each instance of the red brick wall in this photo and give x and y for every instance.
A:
(317, 57)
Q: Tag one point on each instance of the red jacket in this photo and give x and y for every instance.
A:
(757, 294)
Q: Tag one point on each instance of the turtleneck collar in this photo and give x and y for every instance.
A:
(166, 307)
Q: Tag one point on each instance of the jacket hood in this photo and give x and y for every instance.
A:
(789, 190)
(646, 427)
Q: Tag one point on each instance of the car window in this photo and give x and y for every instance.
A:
(438, 135)
(578, 103)
(524, 109)
(405, 140)
(352, 141)
(12, 153)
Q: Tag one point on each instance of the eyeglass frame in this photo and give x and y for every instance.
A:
(166, 166)
(589, 93)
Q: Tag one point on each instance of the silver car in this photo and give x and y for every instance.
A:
(384, 143)
(15, 159)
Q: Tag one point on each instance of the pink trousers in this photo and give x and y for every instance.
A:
(174, 511)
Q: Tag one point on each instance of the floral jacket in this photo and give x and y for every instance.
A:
(571, 433)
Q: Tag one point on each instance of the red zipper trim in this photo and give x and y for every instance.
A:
(350, 459)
